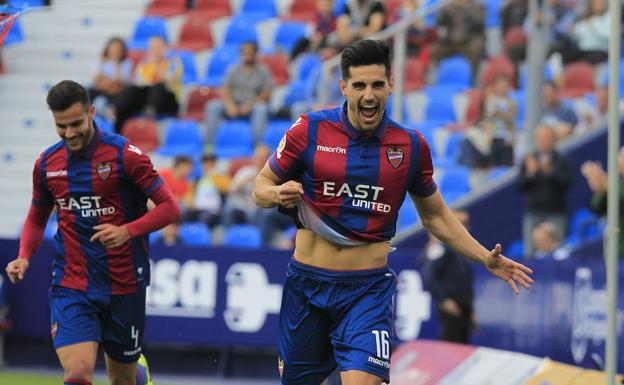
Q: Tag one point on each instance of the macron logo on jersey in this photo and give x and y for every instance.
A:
(56, 174)
(337, 150)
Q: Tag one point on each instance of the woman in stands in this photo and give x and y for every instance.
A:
(112, 74)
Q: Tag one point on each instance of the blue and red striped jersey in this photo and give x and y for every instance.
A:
(107, 182)
(355, 182)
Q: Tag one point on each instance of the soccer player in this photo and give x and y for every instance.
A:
(345, 172)
(99, 184)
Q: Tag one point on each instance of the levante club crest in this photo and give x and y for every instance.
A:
(395, 156)
(104, 169)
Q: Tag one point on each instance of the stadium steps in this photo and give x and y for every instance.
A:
(62, 42)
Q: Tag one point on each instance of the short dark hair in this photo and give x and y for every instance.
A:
(182, 159)
(65, 94)
(365, 52)
(249, 42)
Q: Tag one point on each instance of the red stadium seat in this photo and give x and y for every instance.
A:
(195, 34)
(212, 9)
(578, 80)
(415, 73)
(197, 101)
(166, 8)
(498, 66)
(142, 132)
(278, 64)
(302, 10)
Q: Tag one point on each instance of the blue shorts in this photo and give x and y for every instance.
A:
(335, 319)
(115, 321)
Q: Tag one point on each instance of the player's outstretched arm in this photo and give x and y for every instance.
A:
(442, 223)
(268, 192)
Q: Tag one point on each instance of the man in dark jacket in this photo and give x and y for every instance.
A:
(545, 178)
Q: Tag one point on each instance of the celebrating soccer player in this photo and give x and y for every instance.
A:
(343, 173)
(99, 184)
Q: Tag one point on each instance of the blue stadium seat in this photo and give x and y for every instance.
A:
(524, 76)
(515, 250)
(454, 71)
(492, 13)
(583, 227)
(455, 180)
(404, 111)
(189, 73)
(26, 3)
(240, 30)
(234, 139)
(519, 96)
(308, 66)
(195, 234)
(407, 214)
(287, 35)
(243, 236)
(440, 108)
(258, 9)
(274, 132)
(605, 79)
(145, 28)
(15, 34)
(103, 124)
(220, 60)
(339, 6)
(183, 138)
(452, 147)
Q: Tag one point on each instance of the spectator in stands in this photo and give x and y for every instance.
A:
(547, 243)
(545, 178)
(560, 17)
(113, 73)
(360, 19)
(590, 35)
(177, 177)
(239, 208)
(555, 113)
(461, 31)
(207, 199)
(513, 14)
(169, 235)
(419, 37)
(596, 178)
(245, 94)
(593, 117)
(490, 142)
(157, 85)
(324, 34)
(449, 277)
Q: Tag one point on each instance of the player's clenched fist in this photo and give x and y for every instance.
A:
(16, 269)
(289, 193)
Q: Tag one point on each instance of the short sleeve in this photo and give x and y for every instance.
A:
(422, 183)
(41, 196)
(139, 169)
(286, 162)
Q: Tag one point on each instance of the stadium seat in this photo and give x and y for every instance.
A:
(604, 82)
(103, 124)
(407, 214)
(15, 34)
(492, 13)
(189, 68)
(583, 226)
(240, 30)
(243, 236)
(195, 34)
(303, 10)
(454, 72)
(452, 147)
(519, 97)
(258, 9)
(195, 234)
(440, 107)
(212, 9)
(415, 73)
(308, 66)
(578, 80)
(495, 67)
(288, 33)
(183, 137)
(278, 65)
(197, 101)
(234, 139)
(142, 132)
(515, 250)
(455, 180)
(166, 8)
(275, 131)
(145, 28)
(390, 108)
(221, 58)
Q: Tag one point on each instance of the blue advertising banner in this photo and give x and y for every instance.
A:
(229, 297)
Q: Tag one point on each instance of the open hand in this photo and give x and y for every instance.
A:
(508, 270)
(110, 236)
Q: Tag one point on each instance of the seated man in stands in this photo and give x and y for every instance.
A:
(360, 19)
(558, 115)
(245, 94)
(547, 243)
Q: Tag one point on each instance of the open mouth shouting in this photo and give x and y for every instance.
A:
(369, 113)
